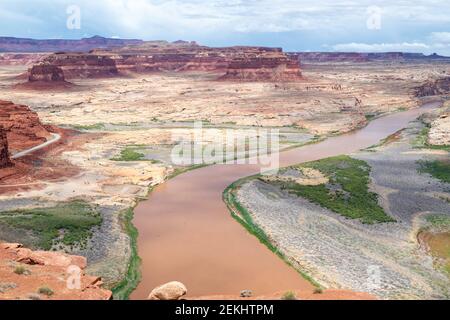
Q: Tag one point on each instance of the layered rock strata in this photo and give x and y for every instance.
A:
(434, 87)
(22, 125)
(237, 63)
(4, 152)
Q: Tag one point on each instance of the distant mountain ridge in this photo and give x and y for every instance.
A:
(11, 44)
(363, 56)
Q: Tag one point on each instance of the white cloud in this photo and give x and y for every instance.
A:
(247, 16)
(311, 22)
(440, 37)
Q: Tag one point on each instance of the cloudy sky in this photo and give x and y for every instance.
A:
(315, 25)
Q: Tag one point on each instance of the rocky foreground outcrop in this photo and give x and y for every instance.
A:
(36, 275)
(22, 125)
(4, 151)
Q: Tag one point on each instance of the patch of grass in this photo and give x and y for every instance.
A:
(96, 126)
(439, 221)
(46, 291)
(69, 223)
(352, 198)
(241, 215)
(439, 169)
(289, 295)
(181, 170)
(132, 278)
(370, 116)
(129, 154)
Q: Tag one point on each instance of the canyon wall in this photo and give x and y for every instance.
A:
(267, 66)
(4, 152)
(46, 73)
(23, 127)
(434, 87)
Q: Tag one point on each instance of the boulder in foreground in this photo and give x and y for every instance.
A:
(170, 291)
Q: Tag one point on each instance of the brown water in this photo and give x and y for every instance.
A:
(187, 234)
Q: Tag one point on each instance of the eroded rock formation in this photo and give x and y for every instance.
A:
(4, 151)
(23, 127)
(273, 66)
(36, 275)
(46, 73)
(78, 65)
(237, 63)
(434, 88)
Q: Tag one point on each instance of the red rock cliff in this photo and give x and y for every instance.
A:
(23, 127)
(265, 66)
(238, 63)
(74, 65)
(434, 88)
(4, 152)
(46, 73)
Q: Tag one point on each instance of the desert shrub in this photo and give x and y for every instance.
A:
(46, 291)
(289, 295)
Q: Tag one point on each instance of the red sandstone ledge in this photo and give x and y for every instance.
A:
(43, 275)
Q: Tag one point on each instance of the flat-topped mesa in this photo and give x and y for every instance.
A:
(81, 65)
(267, 66)
(178, 56)
(23, 128)
(4, 151)
(238, 63)
(46, 73)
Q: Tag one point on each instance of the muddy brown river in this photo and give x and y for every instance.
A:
(187, 234)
